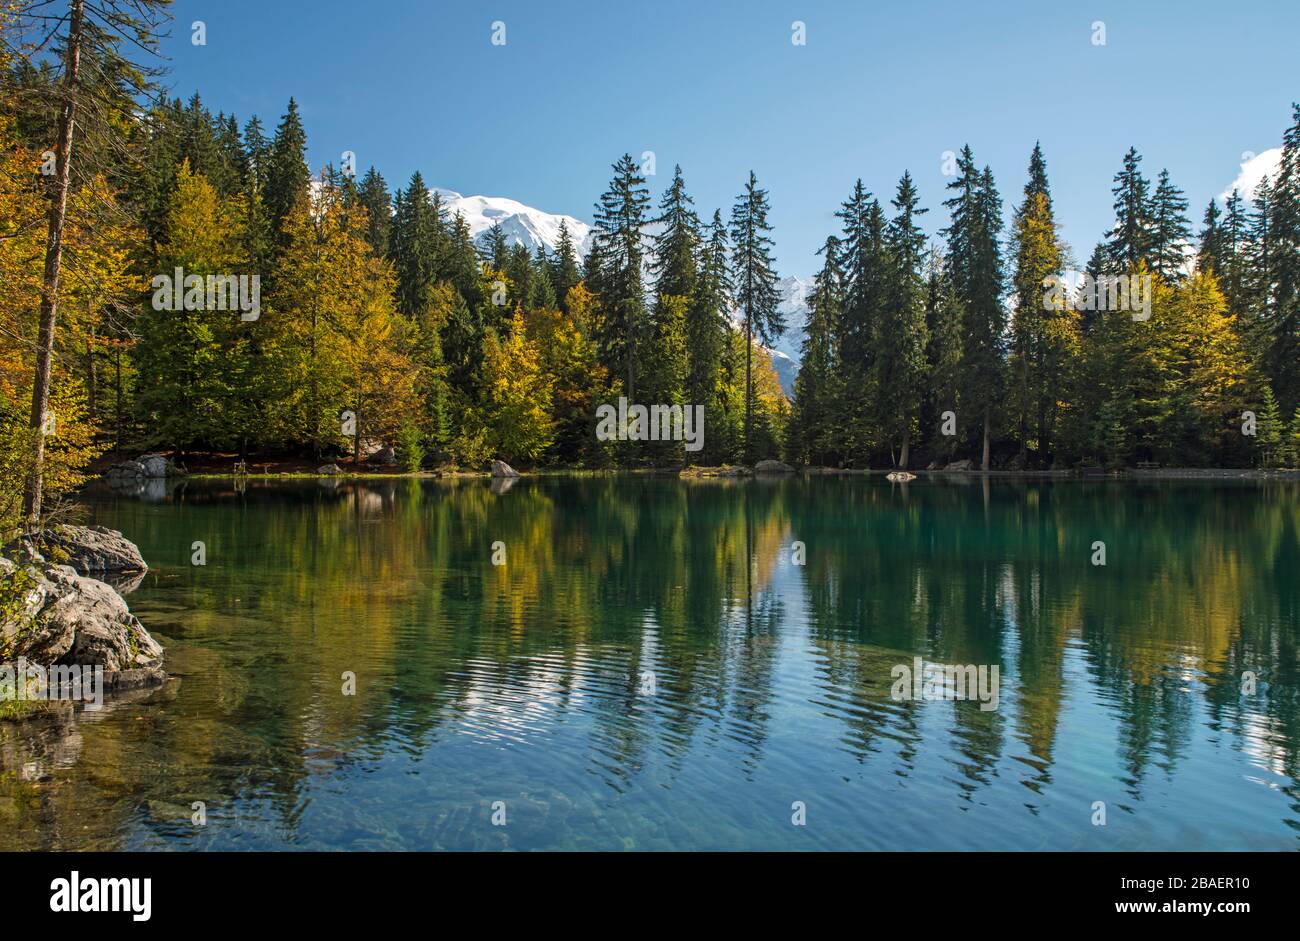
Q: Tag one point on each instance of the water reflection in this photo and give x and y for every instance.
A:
(651, 669)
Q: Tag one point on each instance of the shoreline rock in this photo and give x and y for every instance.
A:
(724, 470)
(144, 467)
(502, 469)
(94, 549)
(773, 467)
(51, 616)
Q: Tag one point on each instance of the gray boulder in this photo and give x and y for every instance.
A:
(385, 455)
(66, 618)
(502, 469)
(900, 477)
(963, 465)
(155, 465)
(93, 550)
(773, 467)
(126, 471)
(329, 470)
(144, 467)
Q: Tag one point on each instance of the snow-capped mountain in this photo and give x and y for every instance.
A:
(792, 294)
(793, 304)
(532, 227)
(521, 224)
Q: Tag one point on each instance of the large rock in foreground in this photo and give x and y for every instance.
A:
(502, 469)
(58, 617)
(93, 550)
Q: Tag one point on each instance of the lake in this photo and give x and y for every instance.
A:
(661, 664)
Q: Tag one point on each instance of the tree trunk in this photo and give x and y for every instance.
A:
(92, 386)
(53, 267)
(984, 464)
(117, 397)
(749, 350)
(1044, 434)
(902, 457)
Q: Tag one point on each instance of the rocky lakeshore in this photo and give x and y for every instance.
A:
(60, 617)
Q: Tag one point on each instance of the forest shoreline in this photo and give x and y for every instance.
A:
(695, 473)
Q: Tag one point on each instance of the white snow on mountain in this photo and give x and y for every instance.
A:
(792, 301)
(793, 304)
(521, 224)
(532, 227)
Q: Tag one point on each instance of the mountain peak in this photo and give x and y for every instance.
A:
(520, 224)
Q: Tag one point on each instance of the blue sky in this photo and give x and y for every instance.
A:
(719, 88)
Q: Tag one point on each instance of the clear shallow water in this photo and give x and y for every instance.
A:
(523, 683)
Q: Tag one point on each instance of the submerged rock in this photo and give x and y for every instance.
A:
(900, 476)
(502, 469)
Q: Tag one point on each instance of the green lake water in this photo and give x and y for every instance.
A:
(651, 669)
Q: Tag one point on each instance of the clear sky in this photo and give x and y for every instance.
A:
(720, 88)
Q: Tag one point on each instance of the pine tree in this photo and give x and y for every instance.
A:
(1210, 254)
(1283, 271)
(817, 393)
(257, 155)
(414, 243)
(976, 263)
(1233, 245)
(288, 177)
(1269, 429)
(541, 293)
(1131, 241)
(496, 250)
(1291, 446)
(943, 319)
(373, 196)
(461, 264)
(1040, 337)
(617, 253)
(664, 376)
(519, 276)
(707, 326)
(432, 389)
(866, 285)
(754, 280)
(900, 361)
(677, 243)
(674, 265)
(564, 266)
(1097, 267)
(1170, 230)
